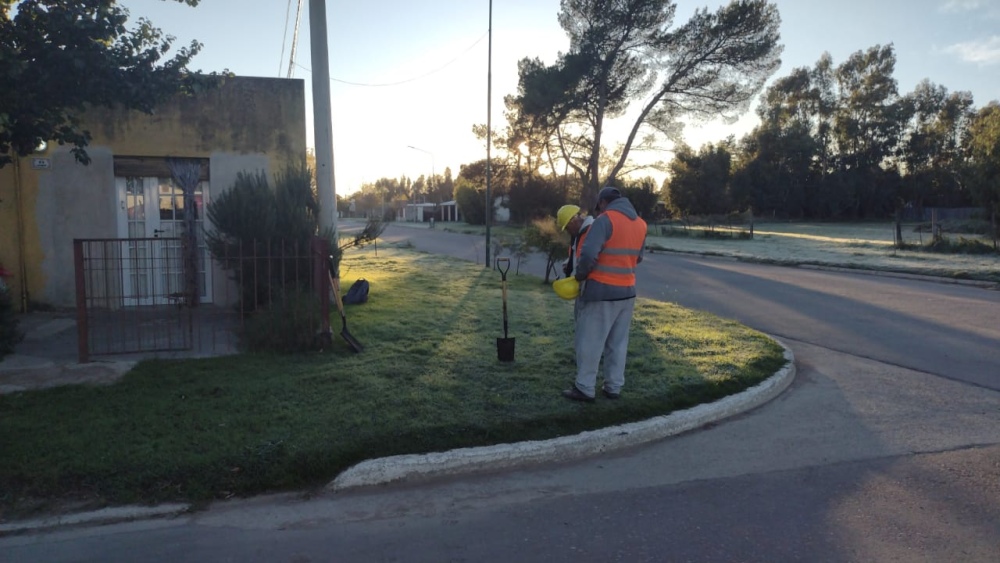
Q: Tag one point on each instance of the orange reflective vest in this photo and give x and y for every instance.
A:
(617, 260)
(579, 245)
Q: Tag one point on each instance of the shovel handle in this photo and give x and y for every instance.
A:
(503, 285)
(505, 308)
(335, 285)
(506, 268)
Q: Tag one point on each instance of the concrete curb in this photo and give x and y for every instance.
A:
(501, 456)
(112, 515)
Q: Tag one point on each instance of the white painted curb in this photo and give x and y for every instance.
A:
(467, 460)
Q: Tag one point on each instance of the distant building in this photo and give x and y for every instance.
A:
(424, 212)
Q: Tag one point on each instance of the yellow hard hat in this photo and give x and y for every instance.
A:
(567, 288)
(564, 214)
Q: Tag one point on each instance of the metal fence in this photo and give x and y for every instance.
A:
(734, 225)
(139, 296)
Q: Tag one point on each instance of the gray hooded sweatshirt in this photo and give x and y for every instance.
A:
(597, 237)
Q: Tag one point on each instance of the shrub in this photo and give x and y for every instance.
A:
(545, 237)
(10, 335)
(961, 246)
(533, 197)
(288, 324)
(263, 237)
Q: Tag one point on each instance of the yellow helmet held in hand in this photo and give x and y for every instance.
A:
(564, 214)
(567, 288)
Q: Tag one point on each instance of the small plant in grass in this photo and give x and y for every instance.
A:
(961, 246)
(543, 236)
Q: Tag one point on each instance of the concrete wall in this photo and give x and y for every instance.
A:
(247, 124)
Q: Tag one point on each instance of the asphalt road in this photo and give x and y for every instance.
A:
(885, 448)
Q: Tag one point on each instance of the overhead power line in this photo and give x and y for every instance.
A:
(413, 79)
(295, 40)
(284, 37)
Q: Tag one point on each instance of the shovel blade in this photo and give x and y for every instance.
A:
(352, 342)
(505, 349)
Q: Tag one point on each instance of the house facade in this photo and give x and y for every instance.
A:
(129, 189)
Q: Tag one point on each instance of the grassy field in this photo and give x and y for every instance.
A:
(866, 246)
(428, 380)
(863, 246)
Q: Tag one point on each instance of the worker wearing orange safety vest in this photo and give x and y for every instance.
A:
(605, 265)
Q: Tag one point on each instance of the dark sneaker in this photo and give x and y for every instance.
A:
(575, 394)
(609, 394)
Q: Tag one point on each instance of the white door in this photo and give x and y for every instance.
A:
(153, 272)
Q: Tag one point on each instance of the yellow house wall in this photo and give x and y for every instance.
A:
(248, 124)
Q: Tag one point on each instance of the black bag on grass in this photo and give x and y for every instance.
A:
(358, 293)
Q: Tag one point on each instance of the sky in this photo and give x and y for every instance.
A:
(409, 78)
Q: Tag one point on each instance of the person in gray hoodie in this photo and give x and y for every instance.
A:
(610, 251)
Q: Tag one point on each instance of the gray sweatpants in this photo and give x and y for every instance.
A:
(602, 329)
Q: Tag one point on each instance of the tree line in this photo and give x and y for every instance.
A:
(841, 142)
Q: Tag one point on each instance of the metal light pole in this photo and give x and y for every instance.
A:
(322, 115)
(430, 184)
(489, 135)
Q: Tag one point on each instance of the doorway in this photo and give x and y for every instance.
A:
(153, 208)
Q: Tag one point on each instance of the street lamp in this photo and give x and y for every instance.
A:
(431, 182)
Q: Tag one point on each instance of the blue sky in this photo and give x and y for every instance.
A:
(414, 72)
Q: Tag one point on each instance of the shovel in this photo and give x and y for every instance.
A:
(352, 342)
(505, 345)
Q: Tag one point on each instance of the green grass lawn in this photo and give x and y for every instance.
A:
(428, 380)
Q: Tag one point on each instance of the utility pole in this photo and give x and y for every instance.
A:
(322, 115)
(489, 136)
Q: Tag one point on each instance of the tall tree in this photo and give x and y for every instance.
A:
(983, 146)
(58, 57)
(642, 194)
(776, 172)
(780, 162)
(868, 126)
(622, 51)
(699, 182)
(443, 188)
(931, 151)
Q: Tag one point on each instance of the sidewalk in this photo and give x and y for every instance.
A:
(48, 356)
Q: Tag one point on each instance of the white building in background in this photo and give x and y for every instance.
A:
(424, 212)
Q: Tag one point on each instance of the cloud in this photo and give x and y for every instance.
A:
(983, 8)
(984, 52)
(963, 5)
